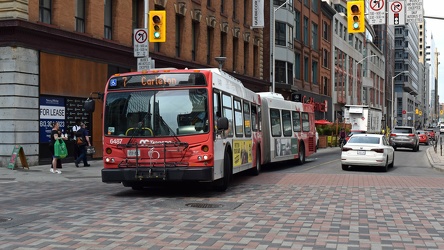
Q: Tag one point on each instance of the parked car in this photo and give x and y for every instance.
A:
(431, 132)
(368, 150)
(423, 137)
(404, 137)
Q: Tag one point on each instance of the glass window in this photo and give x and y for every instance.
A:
(254, 120)
(280, 72)
(296, 121)
(297, 18)
(280, 34)
(247, 119)
(297, 65)
(80, 16)
(305, 122)
(228, 112)
(238, 119)
(275, 120)
(45, 11)
(108, 19)
(286, 121)
(306, 30)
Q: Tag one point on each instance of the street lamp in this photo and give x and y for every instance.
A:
(393, 96)
(274, 45)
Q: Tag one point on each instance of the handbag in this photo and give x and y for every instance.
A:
(60, 150)
(90, 150)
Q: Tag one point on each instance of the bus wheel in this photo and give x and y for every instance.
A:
(222, 184)
(301, 158)
(257, 169)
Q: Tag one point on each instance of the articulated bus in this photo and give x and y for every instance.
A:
(288, 129)
(200, 125)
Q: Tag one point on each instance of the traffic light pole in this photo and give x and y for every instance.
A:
(146, 11)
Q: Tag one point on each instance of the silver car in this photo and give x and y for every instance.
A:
(404, 137)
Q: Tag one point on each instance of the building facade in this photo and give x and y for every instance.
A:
(55, 54)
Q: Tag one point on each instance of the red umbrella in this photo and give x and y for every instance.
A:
(322, 122)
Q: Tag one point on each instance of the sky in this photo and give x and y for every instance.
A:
(435, 26)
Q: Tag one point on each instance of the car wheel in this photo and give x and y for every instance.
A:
(385, 168)
(344, 167)
(393, 162)
(415, 148)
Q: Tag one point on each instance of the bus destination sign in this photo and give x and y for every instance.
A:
(156, 80)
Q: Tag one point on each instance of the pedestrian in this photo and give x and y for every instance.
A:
(74, 130)
(82, 133)
(55, 135)
(342, 136)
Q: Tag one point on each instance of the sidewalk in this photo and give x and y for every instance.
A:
(41, 173)
(435, 158)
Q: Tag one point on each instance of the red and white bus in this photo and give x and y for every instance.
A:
(194, 125)
(288, 129)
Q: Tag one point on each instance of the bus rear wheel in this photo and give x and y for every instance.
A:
(301, 158)
(222, 184)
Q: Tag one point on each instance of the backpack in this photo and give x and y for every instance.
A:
(80, 139)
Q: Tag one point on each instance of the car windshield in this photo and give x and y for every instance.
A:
(156, 113)
(364, 139)
(421, 132)
(402, 130)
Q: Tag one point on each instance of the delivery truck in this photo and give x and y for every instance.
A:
(363, 118)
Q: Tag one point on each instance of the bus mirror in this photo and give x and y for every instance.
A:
(89, 105)
(222, 123)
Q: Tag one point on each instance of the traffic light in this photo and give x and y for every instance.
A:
(355, 16)
(157, 26)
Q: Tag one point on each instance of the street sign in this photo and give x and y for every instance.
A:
(404, 112)
(414, 11)
(376, 12)
(145, 63)
(140, 42)
(396, 12)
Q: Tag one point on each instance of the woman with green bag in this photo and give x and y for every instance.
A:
(54, 137)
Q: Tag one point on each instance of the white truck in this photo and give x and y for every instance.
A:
(363, 118)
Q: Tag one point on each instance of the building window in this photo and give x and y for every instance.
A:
(290, 36)
(235, 52)
(278, 2)
(108, 19)
(297, 66)
(306, 78)
(325, 87)
(314, 36)
(80, 16)
(246, 9)
(223, 43)
(194, 40)
(306, 30)
(297, 19)
(325, 58)
(290, 73)
(325, 31)
(280, 71)
(307, 3)
(178, 34)
(209, 3)
(314, 70)
(234, 9)
(210, 34)
(246, 56)
(314, 5)
(280, 34)
(45, 11)
(222, 6)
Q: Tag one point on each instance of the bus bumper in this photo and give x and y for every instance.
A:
(152, 174)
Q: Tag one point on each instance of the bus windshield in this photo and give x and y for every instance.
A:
(155, 113)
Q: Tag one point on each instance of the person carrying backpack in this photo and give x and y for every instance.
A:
(82, 140)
